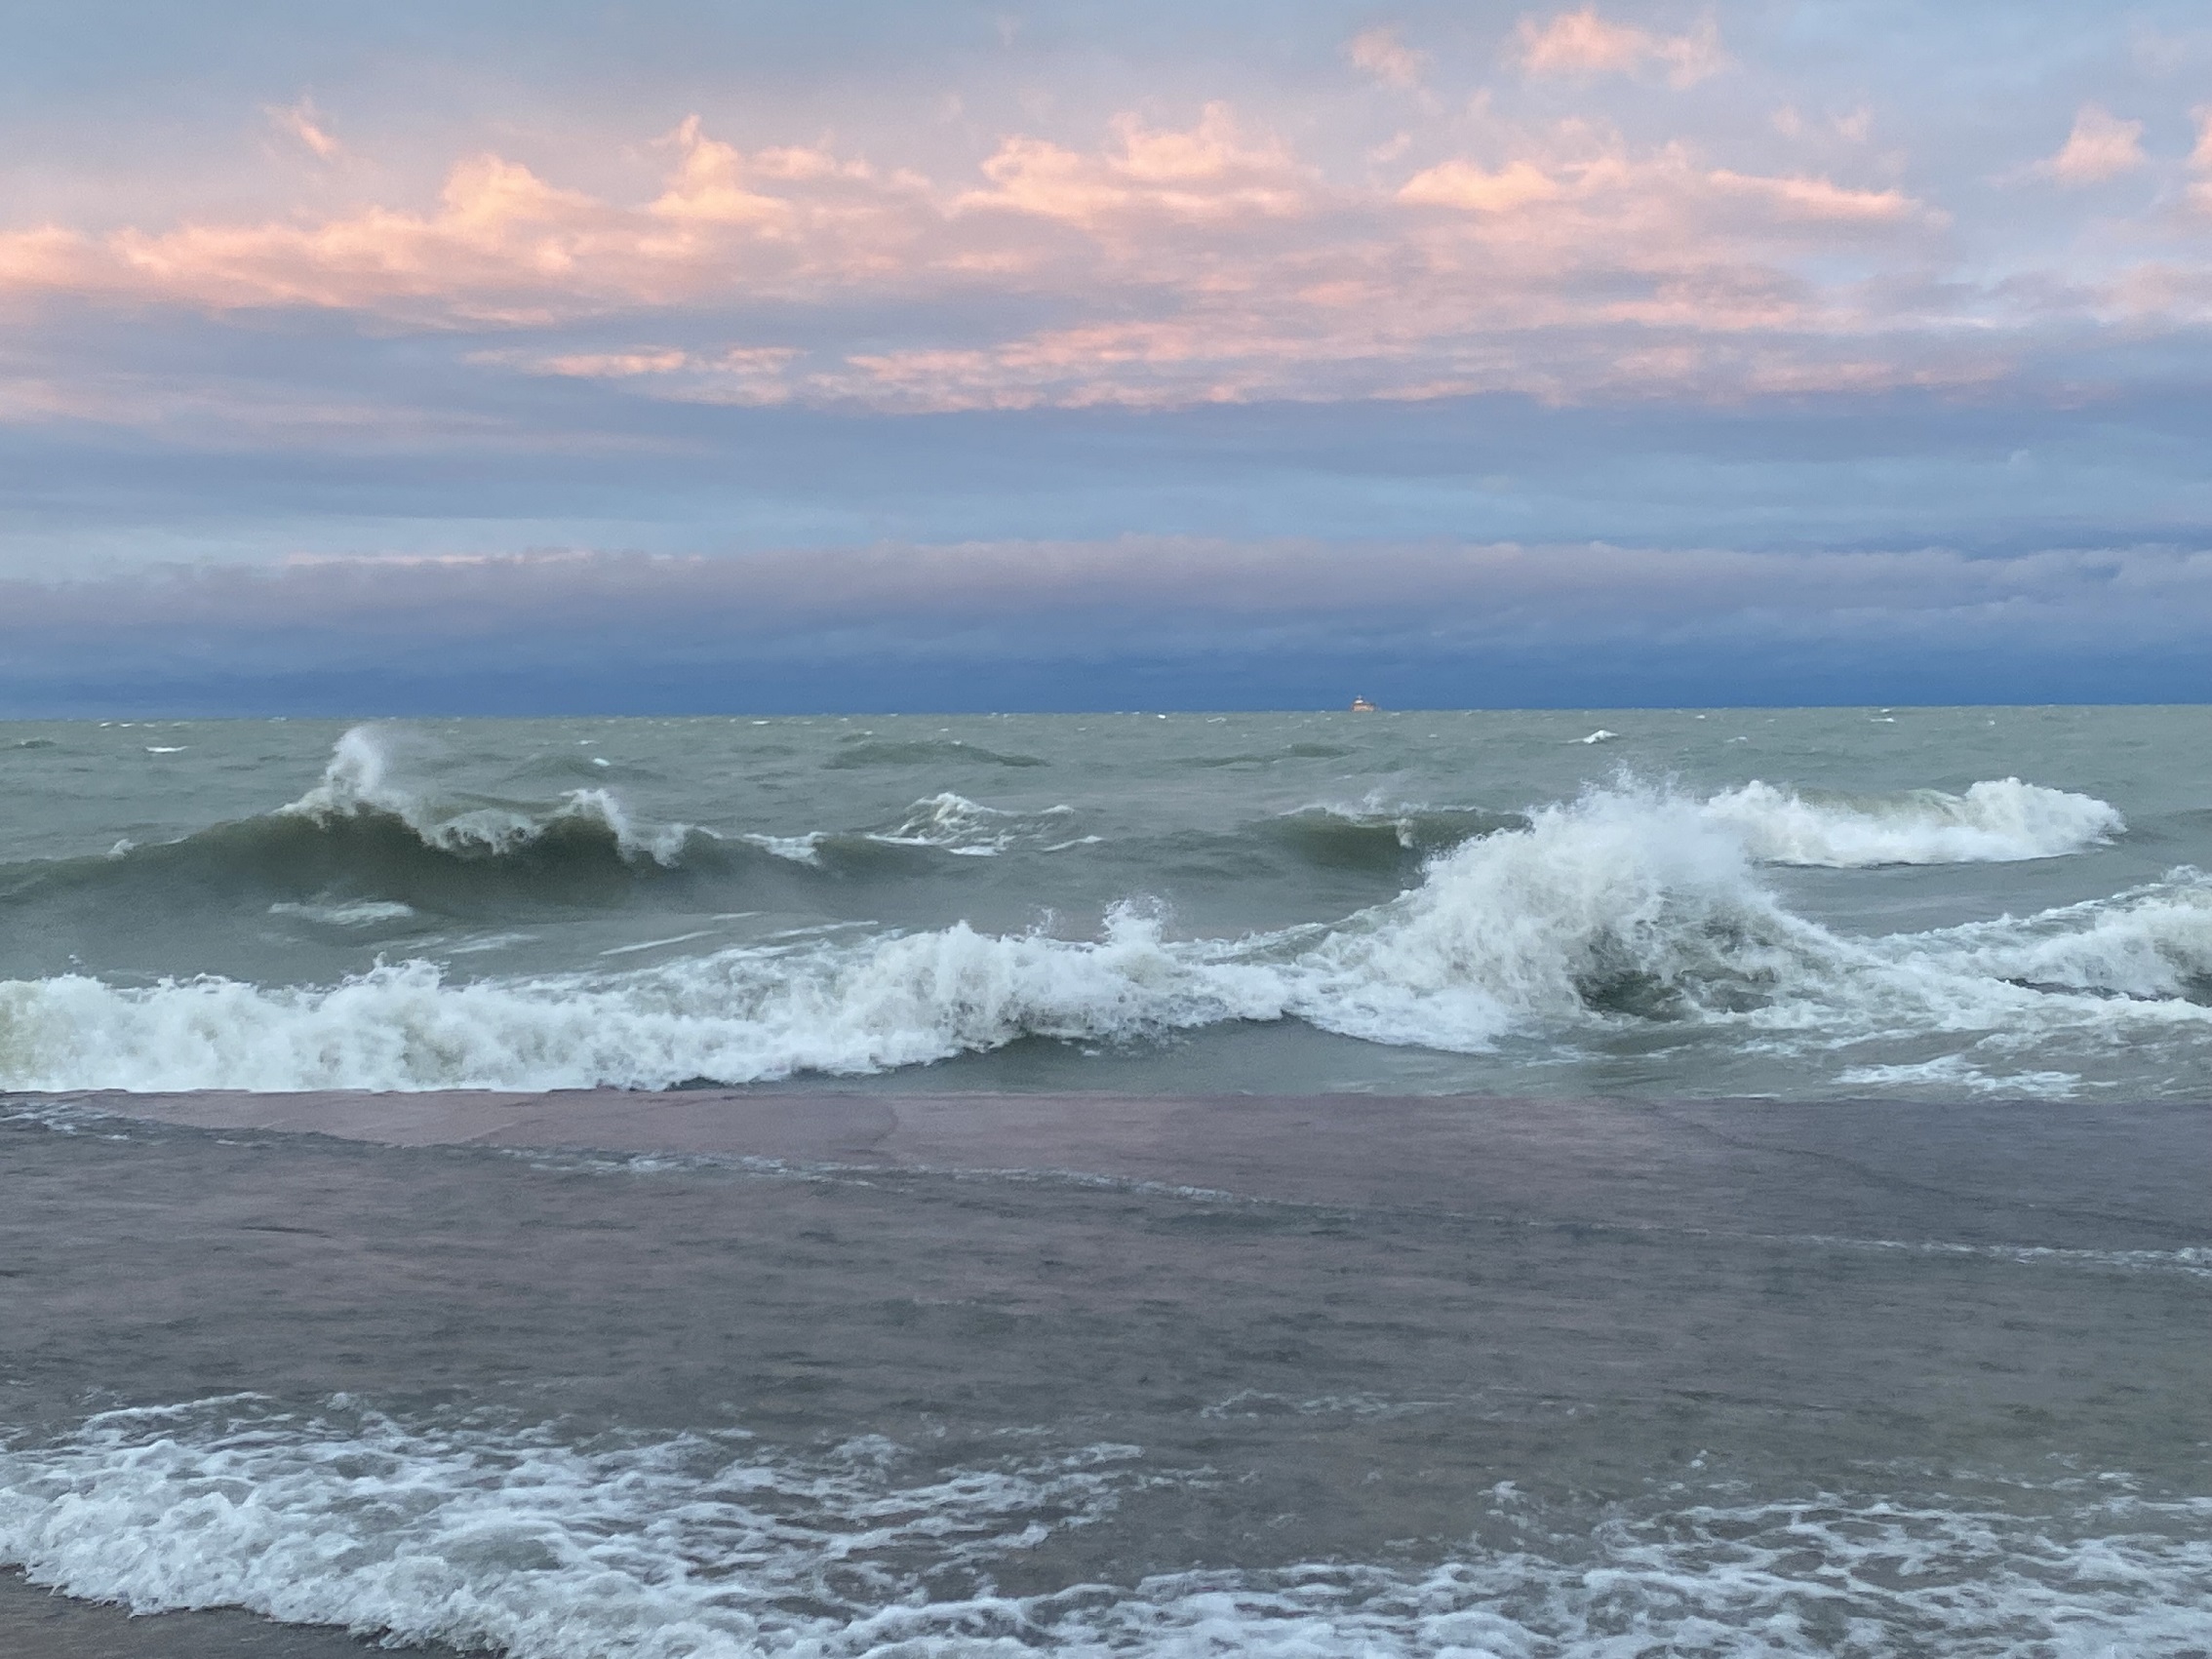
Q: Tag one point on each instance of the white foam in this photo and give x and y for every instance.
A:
(356, 913)
(1620, 907)
(1994, 821)
(692, 1546)
(946, 822)
(660, 945)
(798, 849)
(967, 828)
(1957, 1073)
(817, 1004)
(361, 777)
(708, 1547)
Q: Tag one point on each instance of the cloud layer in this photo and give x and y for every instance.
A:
(1211, 262)
(1551, 232)
(1125, 623)
(1020, 329)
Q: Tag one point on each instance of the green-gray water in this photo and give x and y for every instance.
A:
(1930, 903)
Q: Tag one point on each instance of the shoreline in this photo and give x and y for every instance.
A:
(1623, 1244)
(37, 1623)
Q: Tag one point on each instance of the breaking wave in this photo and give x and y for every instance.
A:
(712, 1547)
(367, 844)
(2001, 821)
(1624, 908)
(358, 783)
(1995, 821)
(363, 848)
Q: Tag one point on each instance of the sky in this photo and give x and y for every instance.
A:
(857, 355)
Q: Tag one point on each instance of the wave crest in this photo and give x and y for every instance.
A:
(1618, 908)
(1994, 821)
(358, 781)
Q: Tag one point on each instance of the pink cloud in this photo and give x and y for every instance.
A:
(1208, 262)
(611, 364)
(734, 374)
(2200, 161)
(1582, 43)
(1462, 185)
(47, 257)
(504, 245)
(1381, 55)
(303, 122)
(1817, 199)
(498, 234)
(2101, 146)
(1216, 171)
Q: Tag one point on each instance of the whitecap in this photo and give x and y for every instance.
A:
(796, 849)
(361, 777)
(1994, 822)
(1618, 910)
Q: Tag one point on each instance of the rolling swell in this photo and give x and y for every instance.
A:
(1375, 839)
(1624, 909)
(569, 859)
(858, 751)
(361, 841)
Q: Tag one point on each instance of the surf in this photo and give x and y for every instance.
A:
(1624, 907)
(709, 1544)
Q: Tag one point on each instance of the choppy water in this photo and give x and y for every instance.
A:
(1798, 905)
(1901, 1353)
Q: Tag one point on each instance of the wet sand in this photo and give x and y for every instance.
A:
(37, 1624)
(1848, 1279)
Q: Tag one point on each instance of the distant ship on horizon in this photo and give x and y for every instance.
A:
(1360, 705)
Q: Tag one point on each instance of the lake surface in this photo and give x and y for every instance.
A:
(1661, 1182)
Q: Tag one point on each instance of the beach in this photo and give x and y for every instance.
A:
(1111, 1373)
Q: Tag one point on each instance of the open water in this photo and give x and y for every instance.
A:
(1924, 904)
(1536, 1185)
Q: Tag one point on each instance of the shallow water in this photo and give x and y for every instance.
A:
(1106, 1376)
(1921, 903)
